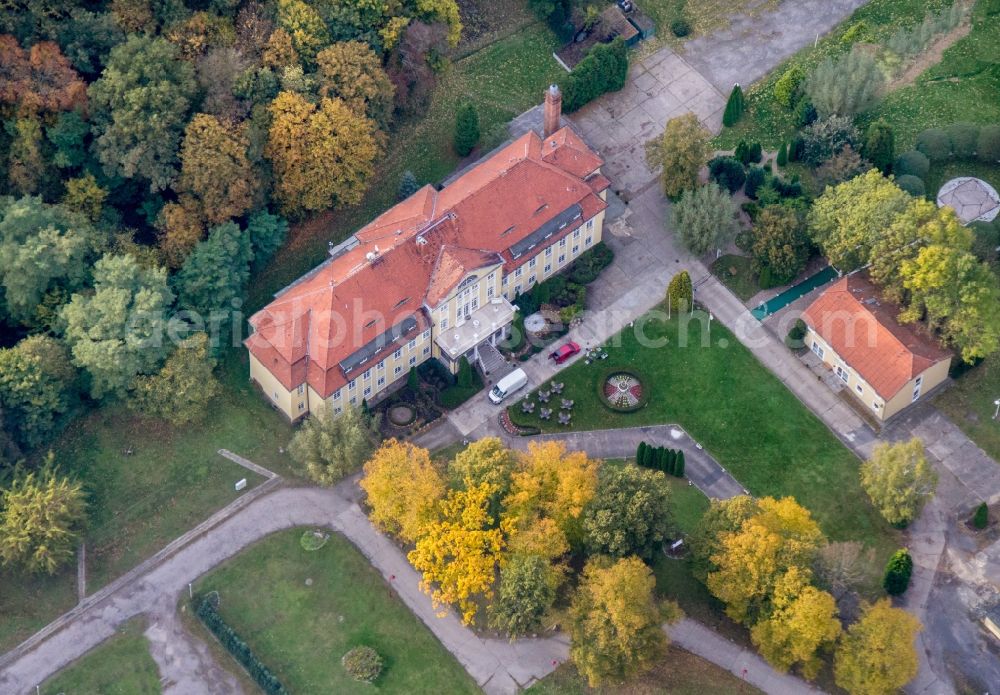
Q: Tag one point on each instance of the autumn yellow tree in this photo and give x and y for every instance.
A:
(615, 630)
(459, 553)
(84, 195)
(552, 484)
(781, 535)
(445, 11)
(180, 227)
(322, 154)
(279, 53)
(305, 27)
(215, 168)
(898, 479)
(722, 517)
(486, 460)
(877, 656)
(352, 71)
(803, 621)
(403, 489)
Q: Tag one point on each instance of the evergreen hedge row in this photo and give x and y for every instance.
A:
(604, 69)
(658, 458)
(229, 639)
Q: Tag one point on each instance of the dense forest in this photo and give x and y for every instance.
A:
(151, 155)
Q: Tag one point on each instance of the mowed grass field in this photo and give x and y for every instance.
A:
(120, 666)
(301, 631)
(718, 391)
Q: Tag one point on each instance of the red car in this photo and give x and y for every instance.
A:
(563, 353)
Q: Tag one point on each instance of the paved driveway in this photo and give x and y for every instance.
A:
(619, 125)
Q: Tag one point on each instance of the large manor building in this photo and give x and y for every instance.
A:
(432, 277)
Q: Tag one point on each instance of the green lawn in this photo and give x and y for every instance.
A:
(502, 79)
(736, 273)
(740, 412)
(301, 631)
(770, 123)
(679, 673)
(120, 666)
(969, 404)
(174, 479)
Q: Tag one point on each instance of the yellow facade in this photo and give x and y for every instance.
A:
(474, 291)
(881, 408)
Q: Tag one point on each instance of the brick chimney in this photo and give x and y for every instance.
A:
(553, 110)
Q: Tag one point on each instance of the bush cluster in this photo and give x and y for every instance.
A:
(680, 28)
(728, 172)
(568, 289)
(824, 139)
(748, 153)
(585, 269)
(960, 141)
(604, 69)
(658, 458)
(229, 639)
(796, 335)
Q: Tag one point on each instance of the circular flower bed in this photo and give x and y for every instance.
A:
(402, 414)
(363, 664)
(622, 391)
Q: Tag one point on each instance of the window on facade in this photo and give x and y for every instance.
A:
(475, 303)
(368, 391)
(427, 349)
(336, 395)
(843, 374)
(338, 410)
(427, 334)
(919, 382)
(444, 324)
(381, 381)
(818, 349)
(548, 251)
(352, 385)
(302, 406)
(576, 233)
(548, 268)
(916, 393)
(517, 273)
(858, 388)
(354, 400)
(576, 250)
(398, 353)
(413, 360)
(397, 370)
(368, 375)
(590, 240)
(876, 405)
(517, 290)
(489, 291)
(302, 387)
(590, 224)
(531, 263)
(562, 259)
(413, 344)
(562, 242)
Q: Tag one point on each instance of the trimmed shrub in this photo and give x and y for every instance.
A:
(897, 573)
(735, 107)
(935, 143)
(408, 185)
(912, 163)
(649, 457)
(466, 129)
(680, 292)
(988, 145)
(662, 458)
(796, 334)
(828, 137)
(964, 139)
(788, 87)
(670, 462)
(782, 157)
(679, 464)
(604, 69)
(880, 145)
(805, 113)
(756, 152)
(363, 664)
(755, 179)
(982, 516)
(742, 152)
(589, 265)
(640, 453)
(680, 28)
(413, 379)
(914, 185)
(796, 148)
(728, 172)
(259, 672)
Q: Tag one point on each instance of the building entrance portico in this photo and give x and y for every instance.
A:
(486, 324)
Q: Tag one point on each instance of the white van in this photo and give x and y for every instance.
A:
(514, 381)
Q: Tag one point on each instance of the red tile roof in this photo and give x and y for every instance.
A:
(862, 329)
(417, 251)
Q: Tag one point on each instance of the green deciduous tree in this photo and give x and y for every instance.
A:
(615, 631)
(37, 385)
(328, 447)
(680, 153)
(267, 233)
(322, 155)
(629, 514)
(780, 242)
(466, 129)
(42, 248)
(877, 655)
(183, 389)
(527, 590)
(880, 145)
(215, 273)
(117, 332)
(41, 513)
(898, 479)
(139, 107)
(705, 218)
(787, 88)
(215, 169)
(847, 219)
(845, 86)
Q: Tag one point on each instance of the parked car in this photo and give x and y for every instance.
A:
(514, 381)
(564, 352)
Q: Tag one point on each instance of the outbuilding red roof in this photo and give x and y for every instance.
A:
(415, 253)
(862, 329)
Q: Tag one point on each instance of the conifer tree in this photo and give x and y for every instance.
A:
(735, 107)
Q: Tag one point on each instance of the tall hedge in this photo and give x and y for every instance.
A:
(229, 639)
(604, 69)
(679, 466)
(640, 454)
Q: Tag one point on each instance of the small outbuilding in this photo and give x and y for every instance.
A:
(885, 365)
(972, 199)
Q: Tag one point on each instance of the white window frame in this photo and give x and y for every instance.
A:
(818, 349)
